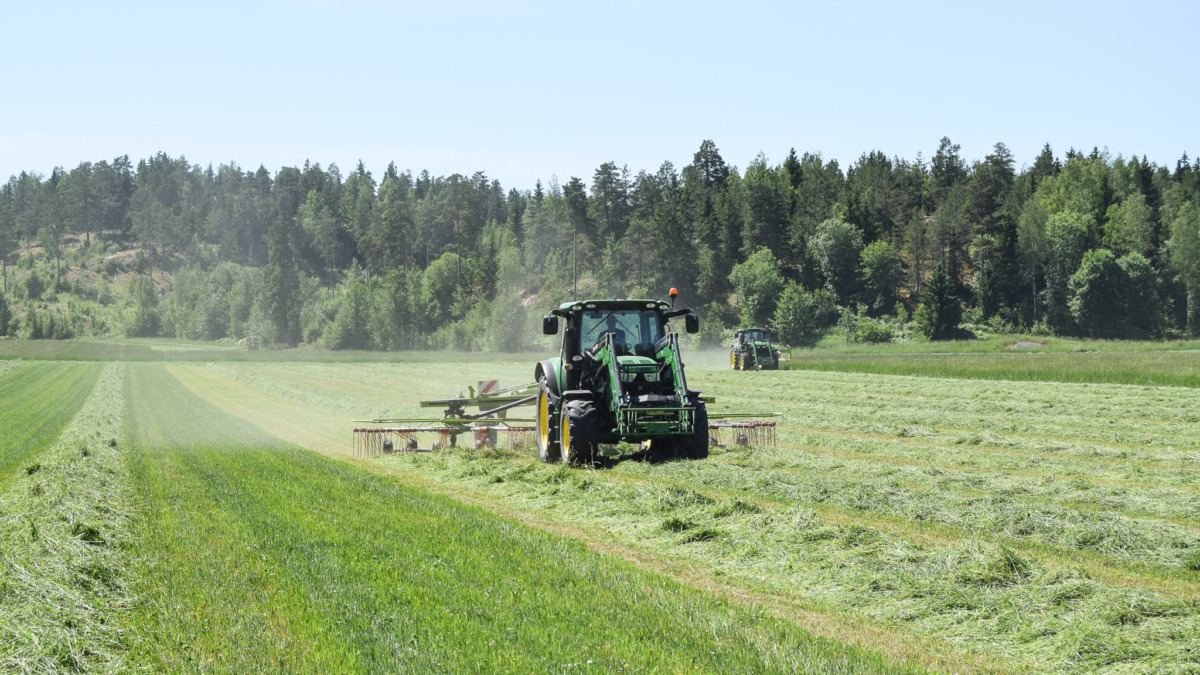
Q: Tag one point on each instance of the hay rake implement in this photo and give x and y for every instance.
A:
(491, 428)
(485, 427)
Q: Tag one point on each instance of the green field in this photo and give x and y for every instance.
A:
(1171, 368)
(1014, 357)
(956, 523)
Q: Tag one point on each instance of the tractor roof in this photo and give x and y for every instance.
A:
(629, 303)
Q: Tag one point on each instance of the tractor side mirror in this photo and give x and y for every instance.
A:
(550, 325)
(691, 323)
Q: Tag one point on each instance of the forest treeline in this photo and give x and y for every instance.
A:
(1084, 244)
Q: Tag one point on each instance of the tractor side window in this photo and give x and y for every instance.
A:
(651, 333)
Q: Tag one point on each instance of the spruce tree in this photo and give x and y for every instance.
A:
(939, 314)
(280, 285)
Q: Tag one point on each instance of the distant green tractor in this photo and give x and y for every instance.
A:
(618, 377)
(752, 350)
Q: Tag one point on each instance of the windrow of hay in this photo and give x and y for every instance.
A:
(9, 364)
(64, 544)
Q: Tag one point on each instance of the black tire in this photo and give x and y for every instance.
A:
(578, 427)
(662, 449)
(696, 445)
(546, 436)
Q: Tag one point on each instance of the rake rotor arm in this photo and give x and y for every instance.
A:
(487, 413)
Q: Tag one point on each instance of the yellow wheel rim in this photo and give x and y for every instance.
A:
(565, 440)
(732, 359)
(543, 421)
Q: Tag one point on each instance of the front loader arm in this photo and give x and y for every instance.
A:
(669, 355)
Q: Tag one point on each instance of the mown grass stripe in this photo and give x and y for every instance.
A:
(36, 403)
(207, 599)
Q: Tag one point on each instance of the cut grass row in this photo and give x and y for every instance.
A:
(962, 587)
(260, 555)
(65, 544)
(888, 496)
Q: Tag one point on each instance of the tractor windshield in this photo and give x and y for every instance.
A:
(755, 336)
(635, 330)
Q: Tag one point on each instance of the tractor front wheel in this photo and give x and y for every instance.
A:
(547, 440)
(696, 445)
(578, 427)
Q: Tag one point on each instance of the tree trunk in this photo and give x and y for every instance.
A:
(1192, 328)
(1033, 283)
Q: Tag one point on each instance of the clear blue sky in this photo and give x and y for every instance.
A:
(527, 90)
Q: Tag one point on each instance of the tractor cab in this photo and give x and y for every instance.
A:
(752, 335)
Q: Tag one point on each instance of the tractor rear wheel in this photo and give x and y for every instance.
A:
(696, 445)
(732, 360)
(578, 426)
(547, 440)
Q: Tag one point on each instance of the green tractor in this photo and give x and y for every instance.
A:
(752, 350)
(618, 377)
